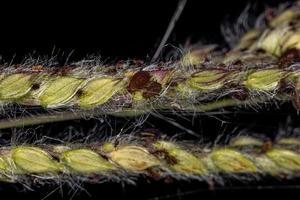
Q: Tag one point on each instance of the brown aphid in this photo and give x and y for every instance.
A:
(139, 81)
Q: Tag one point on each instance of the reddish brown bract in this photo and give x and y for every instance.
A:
(139, 81)
(153, 89)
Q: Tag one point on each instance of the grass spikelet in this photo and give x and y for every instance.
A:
(133, 158)
(231, 161)
(85, 161)
(183, 161)
(15, 86)
(99, 91)
(60, 91)
(34, 160)
(286, 159)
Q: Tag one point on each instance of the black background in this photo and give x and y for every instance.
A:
(124, 30)
(112, 29)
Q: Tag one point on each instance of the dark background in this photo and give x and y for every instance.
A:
(123, 30)
(112, 29)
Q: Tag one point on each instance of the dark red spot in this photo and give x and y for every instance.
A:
(35, 86)
(79, 93)
(139, 81)
(152, 89)
(289, 57)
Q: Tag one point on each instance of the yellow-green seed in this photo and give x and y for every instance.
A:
(31, 98)
(137, 96)
(271, 41)
(3, 165)
(291, 41)
(34, 160)
(208, 163)
(99, 91)
(248, 39)
(85, 161)
(134, 158)
(284, 158)
(190, 59)
(8, 161)
(196, 56)
(288, 141)
(6, 179)
(15, 86)
(284, 18)
(4, 170)
(264, 80)
(108, 147)
(245, 141)
(60, 91)
(266, 165)
(207, 80)
(59, 149)
(231, 161)
(183, 90)
(185, 161)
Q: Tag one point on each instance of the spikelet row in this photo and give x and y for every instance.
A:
(262, 67)
(243, 155)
